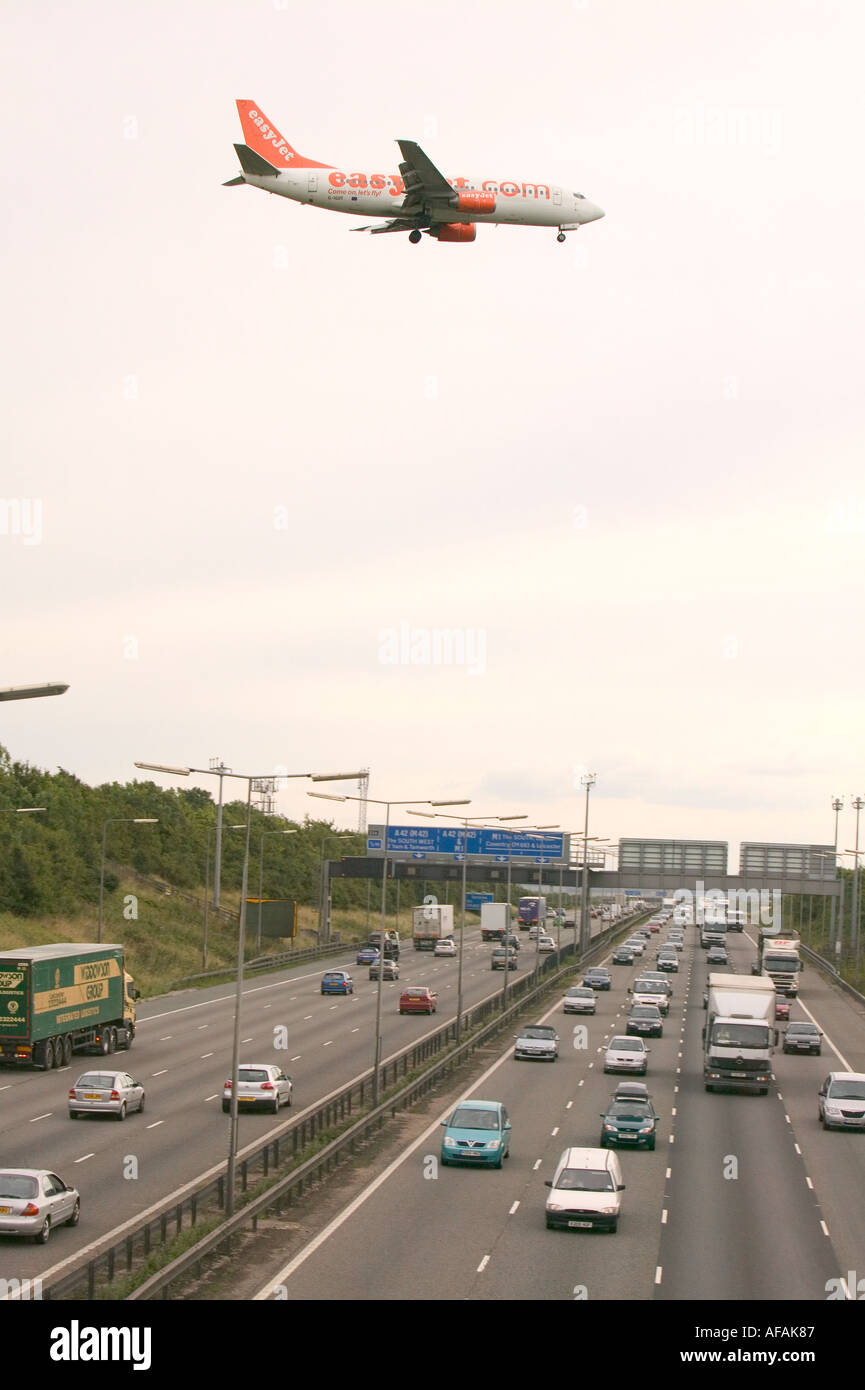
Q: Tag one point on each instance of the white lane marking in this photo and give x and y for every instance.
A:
(215, 1096)
(825, 1228)
(328, 1043)
(41, 1117)
(658, 1274)
(307, 1017)
(796, 1147)
(570, 1102)
(156, 1124)
(672, 1138)
(84, 1158)
(203, 1025)
(483, 1264)
(354, 1030)
(246, 1040)
(669, 1173)
(205, 1055)
(6, 1087)
(675, 1088)
(267, 1006)
(537, 1165)
(299, 1055)
(787, 1118)
(554, 1132)
(673, 1111)
(160, 1073)
(664, 1217)
(843, 1282)
(591, 1064)
(513, 1208)
(167, 1038)
(334, 1006)
(809, 1182)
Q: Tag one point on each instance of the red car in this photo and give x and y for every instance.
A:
(419, 1000)
(782, 1006)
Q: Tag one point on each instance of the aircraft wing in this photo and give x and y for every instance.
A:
(397, 224)
(423, 181)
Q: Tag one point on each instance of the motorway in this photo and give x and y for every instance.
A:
(745, 1197)
(122, 1170)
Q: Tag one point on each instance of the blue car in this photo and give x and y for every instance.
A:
(479, 1132)
(367, 955)
(337, 982)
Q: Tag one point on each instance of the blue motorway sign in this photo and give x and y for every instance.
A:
(474, 900)
(541, 847)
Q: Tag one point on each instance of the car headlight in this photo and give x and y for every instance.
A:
(606, 1211)
(493, 1143)
(833, 1110)
(450, 1143)
(646, 1129)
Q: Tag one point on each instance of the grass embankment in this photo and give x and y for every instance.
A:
(164, 940)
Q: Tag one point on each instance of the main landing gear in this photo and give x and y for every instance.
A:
(415, 236)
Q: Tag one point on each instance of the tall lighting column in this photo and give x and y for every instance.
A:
(588, 780)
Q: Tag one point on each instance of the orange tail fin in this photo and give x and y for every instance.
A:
(263, 137)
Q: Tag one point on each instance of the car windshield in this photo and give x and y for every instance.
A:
(579, 993)
(585, 1180)
(644, 1011)
(97, 1081)
(630, 1110)
(466, 1118)
(415, 994)
(847, 1090)
(17, 1185)
(802, 1028)
(649, 987)
(538, 1032)
(626, 1045)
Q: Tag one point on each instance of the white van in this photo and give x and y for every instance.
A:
(584, 1193)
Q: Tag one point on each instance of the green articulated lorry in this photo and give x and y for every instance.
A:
(56, 1000)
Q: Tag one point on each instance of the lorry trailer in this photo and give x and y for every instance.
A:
(64, 998)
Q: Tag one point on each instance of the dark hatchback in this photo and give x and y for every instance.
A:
(629, 1121)
(597, 977)
(645, 1020)
(622, 956)
(803, 1037)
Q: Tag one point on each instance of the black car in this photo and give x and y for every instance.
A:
(622, 956)
(668, 963)
(629, 1120)
(717, 955)
(598, 977)
(803, 1037)
(645, 1021)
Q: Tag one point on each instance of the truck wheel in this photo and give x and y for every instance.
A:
(67, 1051)
(129, 1037)
(103, 1044)
(112, 1040)
(708, 1087)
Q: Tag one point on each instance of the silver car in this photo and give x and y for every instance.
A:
(627, 1054)
(34, 1201)
(841, 1100)
(538, 1041)
(105, 1093)
(259, 1084)
(580, 1000)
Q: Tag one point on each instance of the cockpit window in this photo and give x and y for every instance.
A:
(579, 195)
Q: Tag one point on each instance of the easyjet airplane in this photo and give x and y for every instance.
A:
(417, 199)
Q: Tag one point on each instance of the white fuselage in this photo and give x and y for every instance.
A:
(382, 195)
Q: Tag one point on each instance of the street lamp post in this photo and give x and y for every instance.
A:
(210, 831)
(324, 888)
(857, 803)
(588, 780)
(377, 801)
(116, 820)
(248, 778)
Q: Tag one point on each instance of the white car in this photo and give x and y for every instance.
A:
(446, 947)
(546, 944)
(34, 1201)
(584, 1192)
(580, 1000)
(259, 1084)
(636, 944)
(841, 1100)
(627, 1054)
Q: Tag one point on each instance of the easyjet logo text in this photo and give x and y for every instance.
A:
(272, 136)
(507, 188)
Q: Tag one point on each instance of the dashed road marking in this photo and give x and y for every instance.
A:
(83, 1158)
(513, 1208)
(537, 1165)
(825, 1228)
(664, 1217)
(658, 1274)
(41, 1117)
(483, 1264)
(156, 1124)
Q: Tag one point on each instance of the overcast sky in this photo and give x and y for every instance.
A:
(253, 463)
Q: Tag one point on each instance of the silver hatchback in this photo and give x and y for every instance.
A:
(259, 1084)
(34, 1201)
(105, 1093)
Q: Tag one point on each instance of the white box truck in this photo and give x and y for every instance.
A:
(495, 921)
(431, 923)
(739, 1037)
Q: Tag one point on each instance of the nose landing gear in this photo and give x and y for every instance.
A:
(561, 237)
